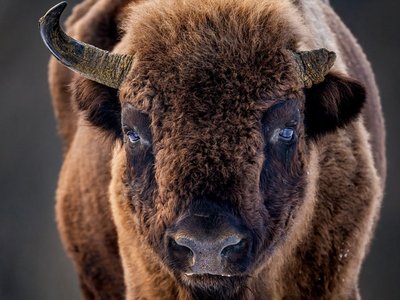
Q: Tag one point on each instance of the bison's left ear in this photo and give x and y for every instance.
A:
(332, 104)
(99, 105)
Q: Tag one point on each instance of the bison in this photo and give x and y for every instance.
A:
(214, 149)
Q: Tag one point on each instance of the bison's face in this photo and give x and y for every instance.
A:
(215, 176)
(218, 169)
(218, 117)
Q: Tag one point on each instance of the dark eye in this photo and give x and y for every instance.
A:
(133, 136)
(286, 134)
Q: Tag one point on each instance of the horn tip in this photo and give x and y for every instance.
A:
(55, 11)
(59, 7)
(49, 24)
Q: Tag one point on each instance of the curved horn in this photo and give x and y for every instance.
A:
(91, 62)
(314, 65)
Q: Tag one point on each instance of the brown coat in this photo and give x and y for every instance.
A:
(321, 206)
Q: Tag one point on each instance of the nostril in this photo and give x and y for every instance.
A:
(235, 251)
(179, 251)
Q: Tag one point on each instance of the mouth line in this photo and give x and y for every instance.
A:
(209, 275)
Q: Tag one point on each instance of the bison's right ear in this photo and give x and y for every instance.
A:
(332, 104)
(99, 105)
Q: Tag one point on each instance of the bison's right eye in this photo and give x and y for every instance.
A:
(286, 134)
(133, 136)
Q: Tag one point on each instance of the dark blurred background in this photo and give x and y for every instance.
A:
(33, 264)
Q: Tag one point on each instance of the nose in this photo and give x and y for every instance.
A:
(209, 245)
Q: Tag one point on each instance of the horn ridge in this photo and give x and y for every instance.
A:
(91, 62)
(314, 65)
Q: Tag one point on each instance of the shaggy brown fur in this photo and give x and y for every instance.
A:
(211, 84)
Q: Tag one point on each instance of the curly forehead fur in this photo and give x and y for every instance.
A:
(212, 36)
(253, 25)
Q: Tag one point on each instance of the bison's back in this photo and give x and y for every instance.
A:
(358, 67)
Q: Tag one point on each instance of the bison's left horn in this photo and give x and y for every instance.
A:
(91, 62)
(314, 65)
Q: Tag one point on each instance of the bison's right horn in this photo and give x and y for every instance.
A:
(314, 65)
(91, 62)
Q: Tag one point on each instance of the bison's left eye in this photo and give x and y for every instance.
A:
(286, 134)
(133, 136)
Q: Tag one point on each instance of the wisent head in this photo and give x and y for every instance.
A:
(215, 114)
